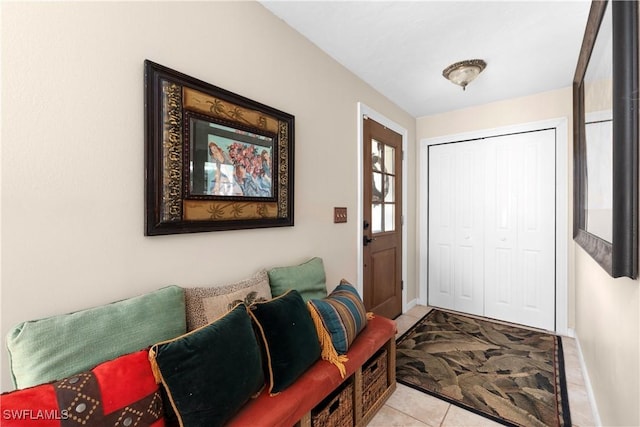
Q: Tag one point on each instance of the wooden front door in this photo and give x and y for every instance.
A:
(382, 219)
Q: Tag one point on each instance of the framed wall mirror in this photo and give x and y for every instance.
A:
(605, 124)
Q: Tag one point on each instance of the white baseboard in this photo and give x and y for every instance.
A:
(411, 304)
(585, 375)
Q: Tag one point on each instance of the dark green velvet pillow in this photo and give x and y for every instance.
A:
(212, 371)
(290, 341)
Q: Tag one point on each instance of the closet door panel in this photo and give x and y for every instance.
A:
(500, 227)
(441, 199)
(521, 204)
(536, 229)
(468, 265)
(456, 267)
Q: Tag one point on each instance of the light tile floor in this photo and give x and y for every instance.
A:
(409, 407)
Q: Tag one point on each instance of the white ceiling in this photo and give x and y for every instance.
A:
(401, 47)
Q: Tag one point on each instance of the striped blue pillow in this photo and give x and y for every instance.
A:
(342, 314)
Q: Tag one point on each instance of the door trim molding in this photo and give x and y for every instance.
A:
(562, 217)
(364, 110)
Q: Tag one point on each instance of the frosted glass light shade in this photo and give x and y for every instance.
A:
(463, 72)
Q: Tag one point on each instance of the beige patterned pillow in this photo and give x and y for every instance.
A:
(204, 305)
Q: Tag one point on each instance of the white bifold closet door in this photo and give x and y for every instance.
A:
(456, 227)
(492, 227)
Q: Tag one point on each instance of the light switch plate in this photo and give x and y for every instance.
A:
(339, 215)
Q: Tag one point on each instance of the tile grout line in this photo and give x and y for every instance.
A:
(445, 416)
(404, 413)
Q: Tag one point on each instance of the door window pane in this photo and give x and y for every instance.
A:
(376, 218)
(389, 159)
(376, 191)
(376, 155)
(389, 217)
(390, 189)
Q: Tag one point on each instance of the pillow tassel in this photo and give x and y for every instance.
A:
(329, 352)
(154, 366)
(370, 315)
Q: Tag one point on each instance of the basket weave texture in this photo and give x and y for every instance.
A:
(374, 380)
(337, 412)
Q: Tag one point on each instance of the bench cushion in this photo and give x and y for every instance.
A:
(286, 408)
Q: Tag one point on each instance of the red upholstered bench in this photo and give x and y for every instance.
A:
(295, 404)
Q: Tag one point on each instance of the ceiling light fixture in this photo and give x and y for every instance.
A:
(463, 72)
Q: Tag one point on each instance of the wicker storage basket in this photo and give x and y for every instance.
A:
(336, 410)
(374, 379)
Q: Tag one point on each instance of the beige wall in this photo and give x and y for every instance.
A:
(608, 329)
(544, 106)
(73, 146)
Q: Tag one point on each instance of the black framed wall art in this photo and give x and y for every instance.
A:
(214, 160)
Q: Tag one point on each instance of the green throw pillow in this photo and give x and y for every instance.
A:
(289, 338)
(50, 349)
(211, 372)
(307, 278)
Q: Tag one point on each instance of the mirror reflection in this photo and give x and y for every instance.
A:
(598, 97)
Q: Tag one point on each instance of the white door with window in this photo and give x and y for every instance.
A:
(492, 227)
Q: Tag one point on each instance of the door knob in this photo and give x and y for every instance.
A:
(366, 240)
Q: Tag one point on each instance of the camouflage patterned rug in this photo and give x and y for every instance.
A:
(512, 375)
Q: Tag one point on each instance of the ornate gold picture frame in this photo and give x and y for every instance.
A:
(214, 160)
